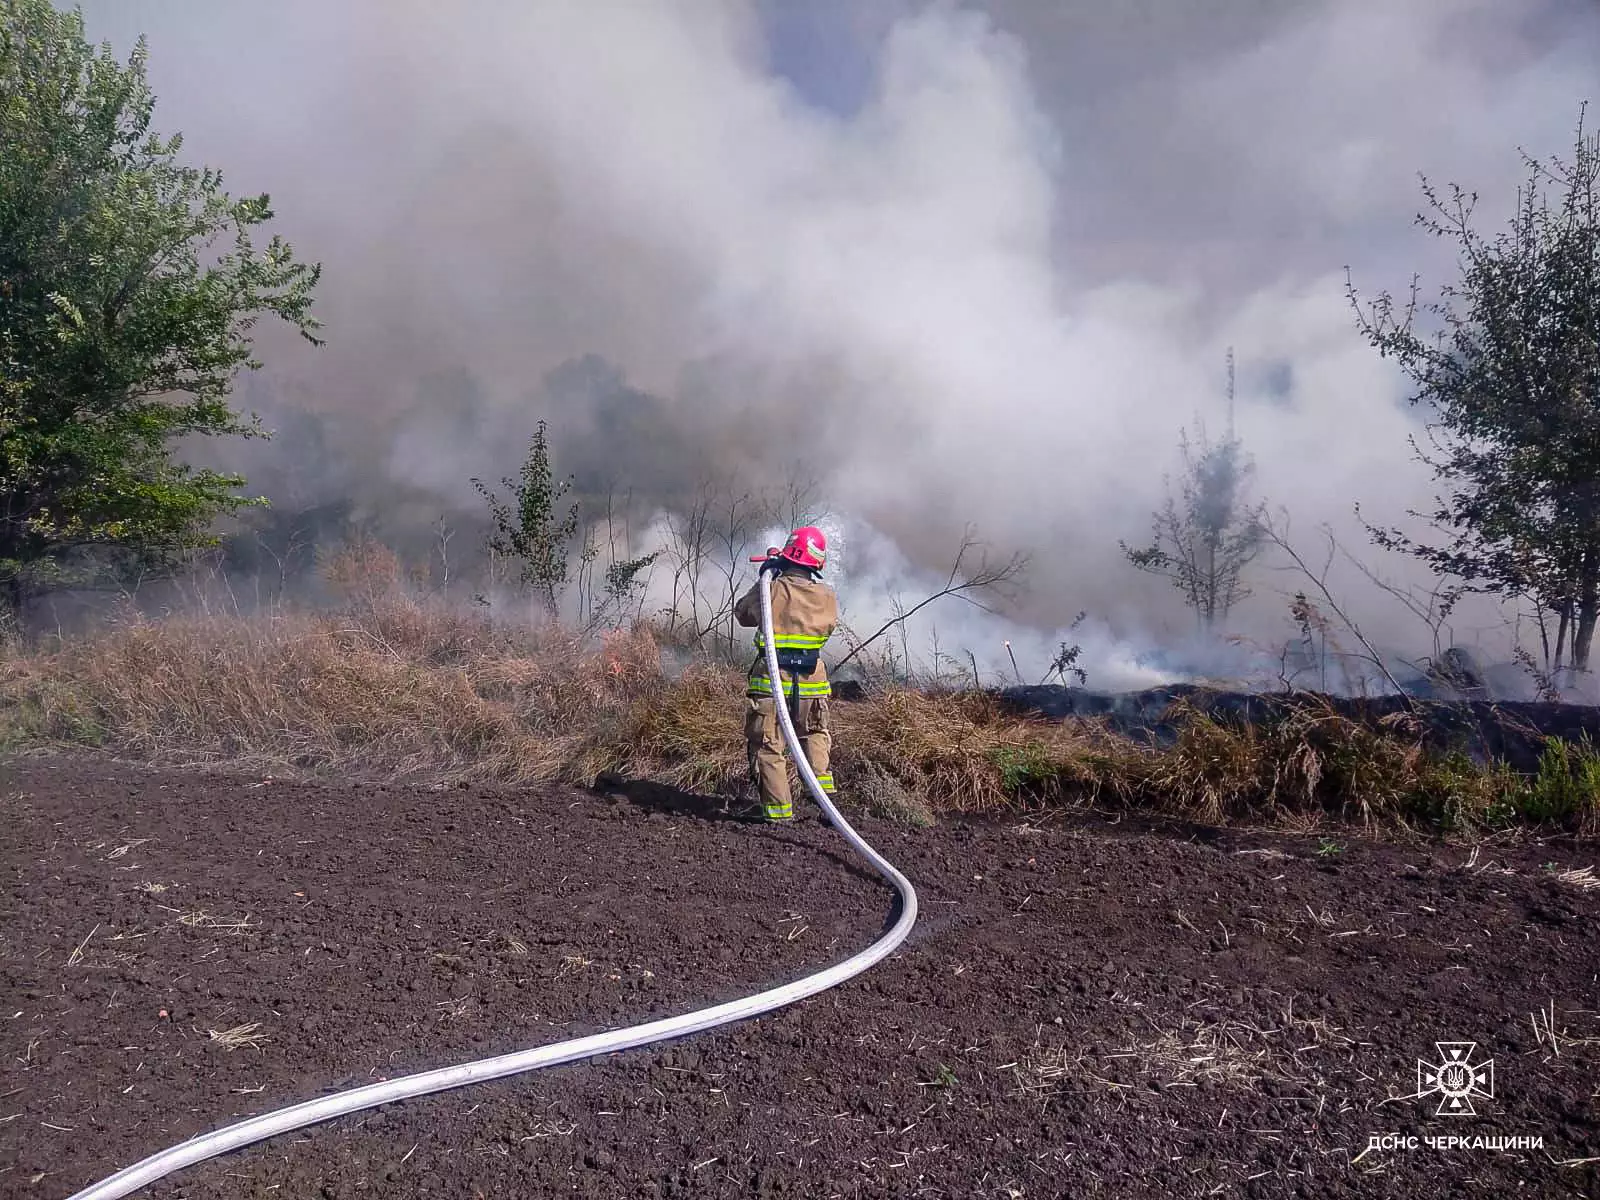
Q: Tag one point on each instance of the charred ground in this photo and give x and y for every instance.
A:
(1513, 732)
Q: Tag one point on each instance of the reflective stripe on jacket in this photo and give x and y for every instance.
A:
(805, 613)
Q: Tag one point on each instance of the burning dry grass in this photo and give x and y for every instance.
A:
(399, 690)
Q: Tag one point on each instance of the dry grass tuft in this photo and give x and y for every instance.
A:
(965, 754)
(1310, 761)
(238, 1037)
(686, 732)
(883, 795)
(201, 919)
(1580, 877)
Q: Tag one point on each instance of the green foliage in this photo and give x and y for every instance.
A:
(1066, 660)
(1507, 361)
(1566, 788)
(529, 530)
(1455, 794)
(122, 319)
(623, 577)
(1024, 769)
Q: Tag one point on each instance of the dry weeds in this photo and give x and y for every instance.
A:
(1230, 1052)
(1547, 1035)
(76, 956)
(201, 919)
(399, 690)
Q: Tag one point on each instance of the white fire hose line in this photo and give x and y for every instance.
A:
(206, 1146)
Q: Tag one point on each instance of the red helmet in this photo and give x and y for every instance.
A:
(807, 546)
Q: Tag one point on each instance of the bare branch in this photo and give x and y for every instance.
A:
(984, 578)
(1319, 581)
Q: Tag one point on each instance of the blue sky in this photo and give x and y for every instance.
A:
(825, 48)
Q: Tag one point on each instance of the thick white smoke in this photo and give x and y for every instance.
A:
(989, 290)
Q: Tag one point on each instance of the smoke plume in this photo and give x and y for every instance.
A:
(967, 264)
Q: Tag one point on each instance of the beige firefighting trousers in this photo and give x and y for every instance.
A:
(764, 741)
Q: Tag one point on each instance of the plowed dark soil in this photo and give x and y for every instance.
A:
(1089, 1011)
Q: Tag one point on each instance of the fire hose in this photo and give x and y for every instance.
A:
(211, 1145)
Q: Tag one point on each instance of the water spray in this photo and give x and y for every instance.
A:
(211, 1145)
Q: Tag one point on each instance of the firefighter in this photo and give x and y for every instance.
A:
(804, 614)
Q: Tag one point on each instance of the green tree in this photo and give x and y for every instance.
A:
(1205, 538)
(529, 529)
(122, 320)
(1507, 363)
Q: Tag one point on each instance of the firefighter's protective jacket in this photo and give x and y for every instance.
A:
(805, 613)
